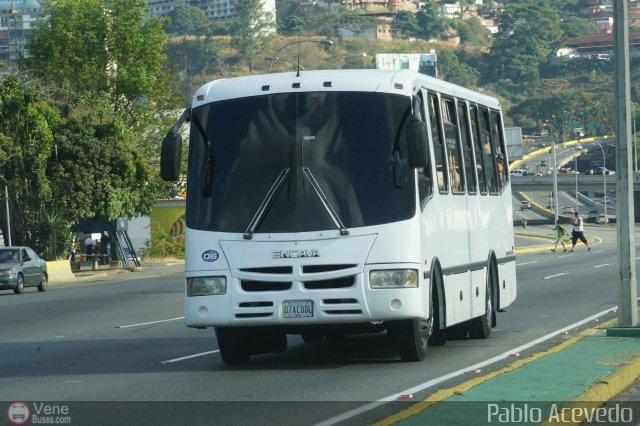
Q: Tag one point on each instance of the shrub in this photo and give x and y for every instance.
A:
(165, 246)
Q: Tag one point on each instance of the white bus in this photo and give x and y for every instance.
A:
(339, 202)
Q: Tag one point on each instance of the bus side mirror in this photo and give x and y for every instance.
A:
(171, 155)
(416, 132)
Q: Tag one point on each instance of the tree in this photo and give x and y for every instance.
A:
(529, 33)
(252, 28)
(26, 146)
(104, 74)
(356, 23)
(405, 25)
(188, 20)
(428, 18)
(451, 69)
(292, 25)
(109, 48)
(574, 26)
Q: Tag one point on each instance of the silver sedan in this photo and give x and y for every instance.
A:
(21, 267)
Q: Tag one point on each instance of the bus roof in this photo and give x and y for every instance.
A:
(403, 82)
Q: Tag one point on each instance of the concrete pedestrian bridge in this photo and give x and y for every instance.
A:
(567, 182)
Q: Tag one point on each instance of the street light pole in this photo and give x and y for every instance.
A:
(575, 171)
(555, 171)
(604, 176)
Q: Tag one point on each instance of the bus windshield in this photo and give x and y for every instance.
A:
(241, 149)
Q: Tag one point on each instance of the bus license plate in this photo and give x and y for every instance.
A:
(297, 309)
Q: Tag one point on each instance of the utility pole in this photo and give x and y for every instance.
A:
(627, 286)
(6, 202)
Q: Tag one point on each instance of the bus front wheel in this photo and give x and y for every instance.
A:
(233, 345)
(411, 337)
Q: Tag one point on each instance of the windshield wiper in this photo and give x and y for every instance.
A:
(266, 204)
(325, 201)
(209, 160)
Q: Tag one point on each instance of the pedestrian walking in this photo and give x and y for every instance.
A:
(560, 231)
(578, 232)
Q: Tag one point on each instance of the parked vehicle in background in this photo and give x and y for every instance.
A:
(598, 171)
(567, 210)
(21, 267)
(517, 172)
(602, 219)
(525, 205)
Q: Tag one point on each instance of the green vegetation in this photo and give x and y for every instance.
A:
(165, 246)
(78, 134)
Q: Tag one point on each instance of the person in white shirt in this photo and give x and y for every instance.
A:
(88, 244)
(578, 233)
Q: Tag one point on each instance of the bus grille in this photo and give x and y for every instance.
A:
(252, 285)
(341, 282)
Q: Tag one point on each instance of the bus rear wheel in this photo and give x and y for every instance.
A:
(232, 342)
(480, 328)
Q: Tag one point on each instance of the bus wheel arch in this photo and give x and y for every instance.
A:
(480, 327)
(438, 306)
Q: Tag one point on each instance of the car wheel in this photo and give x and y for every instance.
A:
(43, 283)
(19, 285)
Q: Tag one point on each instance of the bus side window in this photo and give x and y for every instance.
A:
(451, 137)
(498, 139)
(438, 144)
(467, 147)
(477, 144)
(425, 180)
(488, 151)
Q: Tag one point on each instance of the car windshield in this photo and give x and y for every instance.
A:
(289, 152)
(9, 256)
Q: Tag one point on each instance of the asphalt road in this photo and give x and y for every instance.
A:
(125, 341)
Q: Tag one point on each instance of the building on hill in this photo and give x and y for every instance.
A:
(594, 46)
(215, 9)
(392, 6)
(17, 19)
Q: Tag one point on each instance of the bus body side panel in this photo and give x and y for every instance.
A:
(329, 270)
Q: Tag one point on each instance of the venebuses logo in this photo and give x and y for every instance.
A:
(18, 413)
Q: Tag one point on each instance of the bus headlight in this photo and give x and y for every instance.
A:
(394, 278)
(206, 286)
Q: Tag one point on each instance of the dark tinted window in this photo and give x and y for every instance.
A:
(425, 179)
(478, 149)
(467, 148)
(346, 140)
(449, 121)
(438, 144)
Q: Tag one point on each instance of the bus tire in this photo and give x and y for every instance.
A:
(438, 335)
(233, 346)
(480, 328)
(411, 337)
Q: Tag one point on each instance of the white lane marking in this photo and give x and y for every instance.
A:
(556, 275)
(597, 251)
(189, 357)
(150, 322)
(604, 264)
(565, 255)
(526, 263)
(433, 382)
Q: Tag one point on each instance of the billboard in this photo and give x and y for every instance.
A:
(425, 63)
